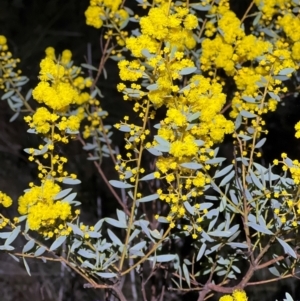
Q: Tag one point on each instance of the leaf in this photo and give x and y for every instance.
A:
(114, 238)
(148, 198)
(259, 228)
(215, 160)
(260, 143)
(287, 248)
(187, 70)
(26, 266)
(269, 32)
(238, 122)
(256, 19)
(247, 114)
(124, 128)
(70, 198)
(219, 233)
(274, 96)
(90, 67)
(28, 246)
(186, 275)
(191, 165)
(226, 179)
(163, 258)
(201, 252)
(62, 194)
(249, 99)
(75, 229)
(86, 253)
(71, 181)
(58, 242)
(115, 223)
(152, 87)
(89, 146)
(193, 116)
(274, 271)
(139, 246)
(7, 94)
(223, 171)
(106, 275)
(154, 151)
(12, 236)
(256, 181)
(14, 117)
(39, 251)
(14, 257)
(150, 176)
(156, 234)
(189, 208)
(286, 71)
(288, 297)
(119, 184)
(201, 7)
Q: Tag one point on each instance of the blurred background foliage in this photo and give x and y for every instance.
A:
(30, 26)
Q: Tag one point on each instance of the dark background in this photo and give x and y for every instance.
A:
(30, 26)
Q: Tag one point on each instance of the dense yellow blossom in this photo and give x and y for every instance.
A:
(5, 200)
(41, 209)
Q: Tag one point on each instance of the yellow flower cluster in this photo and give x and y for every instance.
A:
(160, 25)
(110, 11)
(44, 214)
(189, 139)
(237, 295)
(7, 66)
(269, 8)
(5, 200)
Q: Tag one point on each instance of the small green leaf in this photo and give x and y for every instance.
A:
(7, 94)
(247, 114)
(249, 99)
(287, 248)
(58, 242)
(28, 246)
(148, 198)
(260, 143)
(90, 67)
(62, 194)
(71, 181)
(191, 165)
(286, 71)
(114, 238)
(86, 253)
(163, 258)
(201, 252)
(115, 223)
(26, 266)
(259, 228)
(152, 87)
(119, 184)
(75, 229)
(186, 275)
(226, 179)
(215, 160)
(189, 208)
(148, 177)
(187, 70)
(106, 275)
(12, 236)
(223, 171)
(70, 198)
(39, 251)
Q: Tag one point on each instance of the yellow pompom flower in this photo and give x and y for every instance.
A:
(5, 200)
(2, 40)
